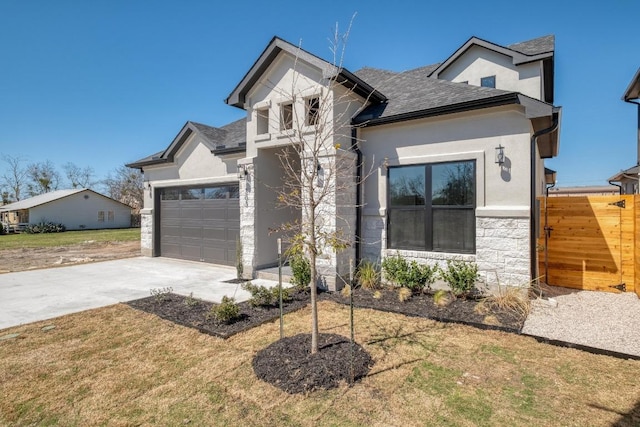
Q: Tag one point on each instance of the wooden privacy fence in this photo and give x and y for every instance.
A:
(590, 242)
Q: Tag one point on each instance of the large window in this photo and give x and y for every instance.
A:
(432, 207)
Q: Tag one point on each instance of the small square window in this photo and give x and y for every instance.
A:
(286, 116)
(100, 216)
(489, 81)
(312, 111)
(263, 121)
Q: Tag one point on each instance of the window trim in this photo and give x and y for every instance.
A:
(283, 124)
(428, 206)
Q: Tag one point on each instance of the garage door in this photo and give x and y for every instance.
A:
(200, 223)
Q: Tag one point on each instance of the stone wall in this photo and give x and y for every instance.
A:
(146, 232)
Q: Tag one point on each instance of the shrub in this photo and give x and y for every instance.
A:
(44, 227)
(261, 296)
(301, 271)
(441, 298)
(377, 295)
(393, 268)
(346, 291)
(227, 311)
(418, 276)
(2, 229)
(411, 275)
(460, 276)
(161, 294)
(510, 299)
(368, 275)
(404, 294)
(190, 301)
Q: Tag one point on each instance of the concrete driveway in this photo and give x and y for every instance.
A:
(29, 296)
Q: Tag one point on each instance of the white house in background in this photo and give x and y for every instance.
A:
(77, 209)
(482, 121)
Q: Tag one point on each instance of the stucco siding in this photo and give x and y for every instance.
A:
(479, 62)
(77, 212)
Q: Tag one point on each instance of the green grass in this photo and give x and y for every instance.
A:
(23, 240)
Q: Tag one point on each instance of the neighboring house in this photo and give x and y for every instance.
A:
(596, 190)
(481, 122)
(77, 209)
(628, 179)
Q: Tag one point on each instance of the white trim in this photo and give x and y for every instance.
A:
(503, 212)
(233, 178)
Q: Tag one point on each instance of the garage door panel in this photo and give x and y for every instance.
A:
(202, 229)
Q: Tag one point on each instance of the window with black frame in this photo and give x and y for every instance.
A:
(431, 207)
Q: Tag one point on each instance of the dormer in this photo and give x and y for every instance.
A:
(525, 67)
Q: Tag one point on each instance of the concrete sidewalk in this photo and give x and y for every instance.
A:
(29, 296)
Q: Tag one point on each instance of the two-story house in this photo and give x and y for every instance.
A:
(450, 158)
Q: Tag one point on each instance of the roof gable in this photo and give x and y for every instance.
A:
(231, 137)
(520, 53)
(271, 52)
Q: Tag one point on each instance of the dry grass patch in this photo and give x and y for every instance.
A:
(119, 366)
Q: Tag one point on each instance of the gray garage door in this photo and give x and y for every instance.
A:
(200, 223)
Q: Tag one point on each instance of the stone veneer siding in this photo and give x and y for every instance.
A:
(502, 249)
(146, 232)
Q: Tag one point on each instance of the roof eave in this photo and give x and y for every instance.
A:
(633, 90)
(140, 165)
(229, 150)
(496, 101)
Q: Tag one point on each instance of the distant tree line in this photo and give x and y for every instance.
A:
(20, 180)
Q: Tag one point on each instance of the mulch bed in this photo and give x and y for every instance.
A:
(289, 365)
(421, 305)
(194, 313)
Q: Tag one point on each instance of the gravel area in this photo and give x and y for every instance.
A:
(602, 320)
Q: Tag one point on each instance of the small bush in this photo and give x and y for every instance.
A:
(346, 291)
(460, 276)
(44, 227)
(510, 299)
(393, 268)
(404, 294)
(262, 296)
(441, 298)
(301, 271)
(161, 294)
(377, 295)
(368, 275)
(190, 301)
(227, 311)
(411, 275)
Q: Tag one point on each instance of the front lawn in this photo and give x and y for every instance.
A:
(120, 366)
(24, 240)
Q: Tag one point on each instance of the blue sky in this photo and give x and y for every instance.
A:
(101, 83)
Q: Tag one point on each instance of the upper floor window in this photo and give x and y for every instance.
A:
(489, 81)
(262, 121)
(312, 110)
(286, 116)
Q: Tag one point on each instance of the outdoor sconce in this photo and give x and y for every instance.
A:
(550, 176)
(147, 185)
(500, 155)
(242, 172)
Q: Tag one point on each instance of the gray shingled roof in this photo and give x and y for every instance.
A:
(413, 91)
(232, 135)
(536, 46)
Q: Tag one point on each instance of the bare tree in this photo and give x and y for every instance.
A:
(43, 178)
(319, 175)
(14, 178)
(126, 185)
(79, 177)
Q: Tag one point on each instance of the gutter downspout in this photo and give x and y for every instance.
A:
(532, 189)
(356, 149)
(617, 185)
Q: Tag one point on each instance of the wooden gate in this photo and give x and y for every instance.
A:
(590, 242)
